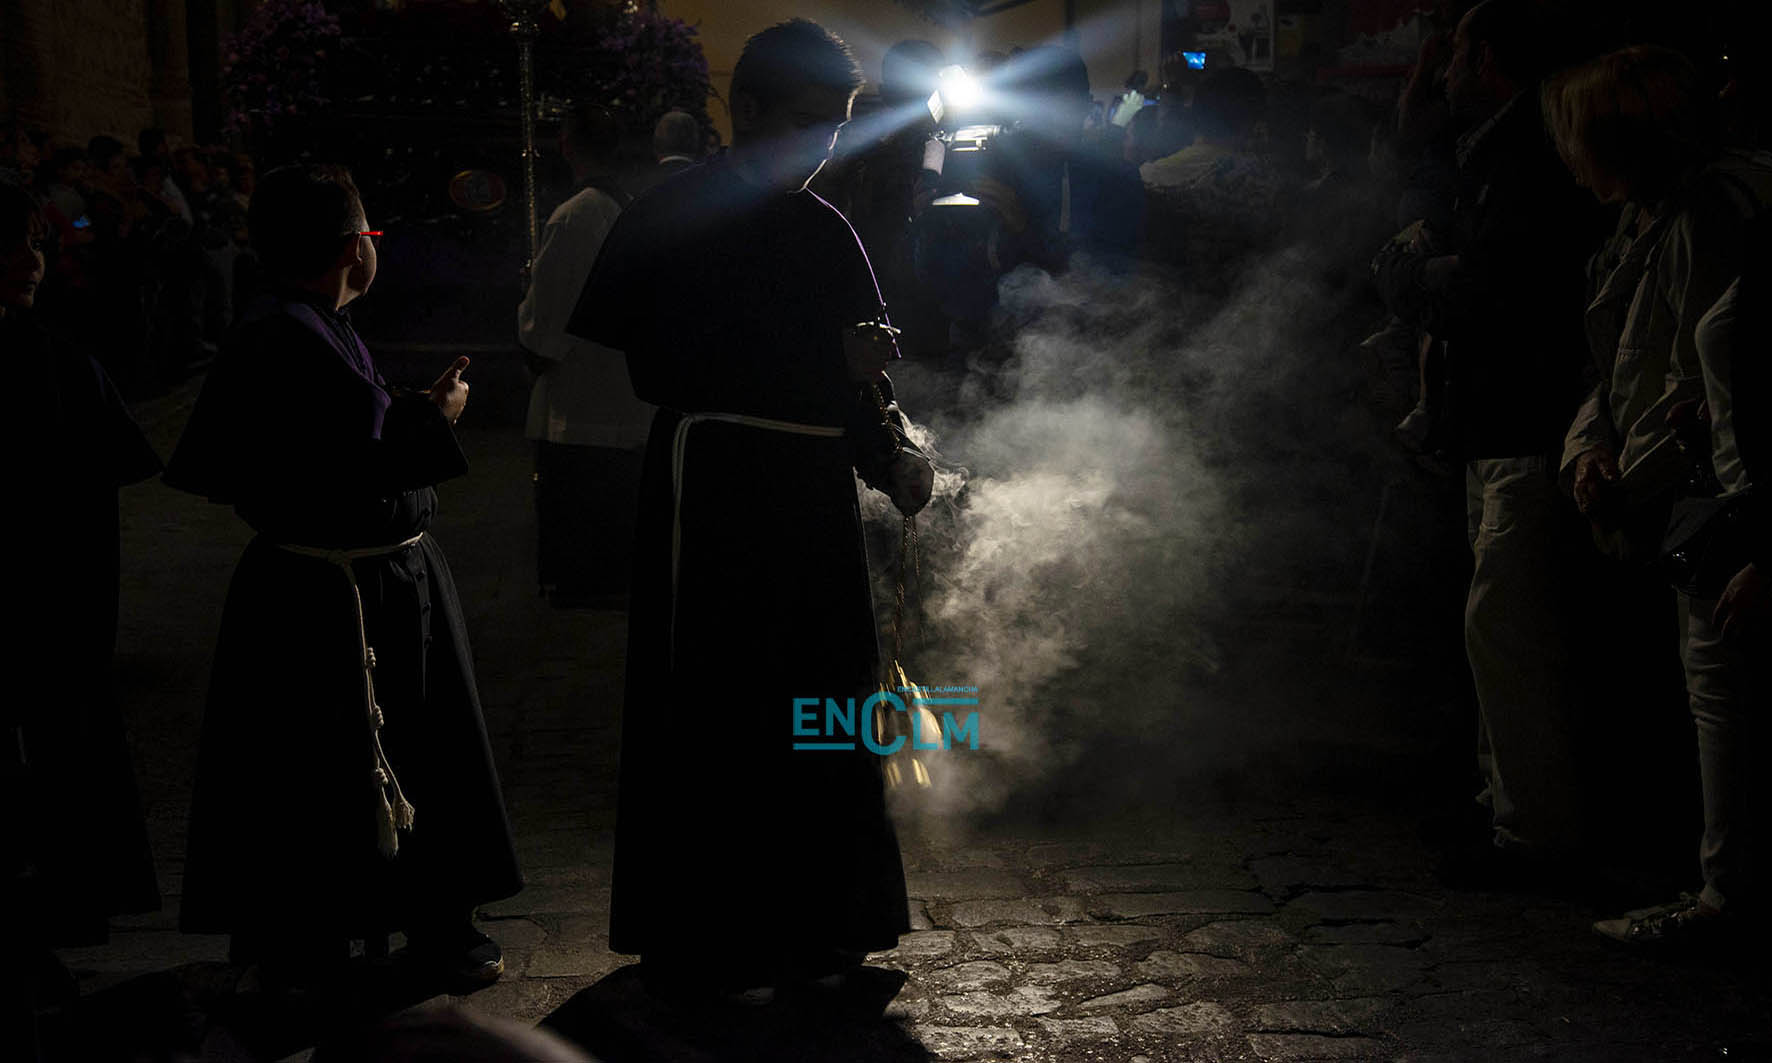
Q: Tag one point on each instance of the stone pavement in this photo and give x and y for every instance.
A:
(1262, 924)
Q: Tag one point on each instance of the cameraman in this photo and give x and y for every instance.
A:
(1040, 197)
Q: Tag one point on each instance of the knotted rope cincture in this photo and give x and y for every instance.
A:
(393, 812)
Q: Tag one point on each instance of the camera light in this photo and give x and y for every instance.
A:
(959, 91)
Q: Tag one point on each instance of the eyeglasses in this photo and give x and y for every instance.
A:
(373, 234)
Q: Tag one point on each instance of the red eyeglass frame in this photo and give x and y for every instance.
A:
(374, 235)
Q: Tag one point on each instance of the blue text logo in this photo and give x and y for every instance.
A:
(826, 724)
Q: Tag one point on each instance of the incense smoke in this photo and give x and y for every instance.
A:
(1141, 478)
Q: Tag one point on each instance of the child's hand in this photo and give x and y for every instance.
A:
(450, 392)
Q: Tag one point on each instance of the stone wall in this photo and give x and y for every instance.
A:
(81, 68)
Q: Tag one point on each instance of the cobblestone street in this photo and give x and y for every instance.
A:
(1279, 924)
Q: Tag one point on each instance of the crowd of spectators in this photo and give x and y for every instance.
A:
(147, 247)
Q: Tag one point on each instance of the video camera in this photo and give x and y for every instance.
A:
(960, 151)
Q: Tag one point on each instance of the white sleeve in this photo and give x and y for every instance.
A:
(569, 247)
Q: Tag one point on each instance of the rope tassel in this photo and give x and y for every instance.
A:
(393, 813)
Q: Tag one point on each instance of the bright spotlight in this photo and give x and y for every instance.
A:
(959, 90)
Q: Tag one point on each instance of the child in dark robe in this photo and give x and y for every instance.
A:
(72, 837)
(740, 862)
(345, 785)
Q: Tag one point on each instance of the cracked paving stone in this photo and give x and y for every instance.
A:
(1200, 1017)
(566, 876)
(920, 917)
(1117, 936)
(1372, 906)
(1156, 878)
(1022, 1000)
(1481, 974)
(933, 856)
(1337, 1017)
(1285, 1047)
(515, 998)
(546, 899)
(1370, 968)
(1069, 971)
(1240, 939)
(923, 943)
(1344, 957)
(974, 975)
(1129, 998)
(1283, 874)
(514, 933)
(1094, 1028)
(559, 961)
(1025, 911)
(904, 1007)
(1065, 854)
(1364, 934)
(1189, 902)
(1017, 939)
(960, 1042)
(1169, 966)
(974, 884)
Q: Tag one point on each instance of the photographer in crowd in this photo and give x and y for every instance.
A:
(1028, 195)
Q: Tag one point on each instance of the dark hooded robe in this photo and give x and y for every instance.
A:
(74, 840)
(298, 431)
(750, 584)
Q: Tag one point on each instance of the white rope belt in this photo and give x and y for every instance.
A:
(396, 813)
(680, 445)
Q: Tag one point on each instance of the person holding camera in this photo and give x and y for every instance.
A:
(1030, 195)
(740, 862)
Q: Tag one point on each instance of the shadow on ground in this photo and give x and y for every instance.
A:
(211, 1011)
(618, 1021)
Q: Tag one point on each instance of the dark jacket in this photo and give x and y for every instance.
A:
(1511, 312)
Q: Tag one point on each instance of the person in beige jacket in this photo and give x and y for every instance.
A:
(1686, 208)
(1637, 127)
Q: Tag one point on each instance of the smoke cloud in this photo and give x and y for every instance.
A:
(1144, 474)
